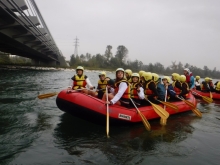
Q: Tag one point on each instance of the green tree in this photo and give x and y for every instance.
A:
(121, 54)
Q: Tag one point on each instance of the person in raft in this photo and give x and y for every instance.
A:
(137, 92)
(120, 94)
(185, 87)
(160, 86)
(171, 94)
(177, 86)
(81, 81)
(197, 83)
(211, 85)
(205, 85)
(102, 84)
(189, 78)
(128, 74)
(150, 88)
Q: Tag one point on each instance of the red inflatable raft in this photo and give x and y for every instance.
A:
(90, 108)
(207, 94)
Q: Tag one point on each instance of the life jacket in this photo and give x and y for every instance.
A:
(217, 88)
(177, 90)
(79, 81)
(147, 91)
(134, 92)
(102, 84)
(126, 95)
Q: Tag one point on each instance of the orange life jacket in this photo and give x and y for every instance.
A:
(134, 92)
(126, 94)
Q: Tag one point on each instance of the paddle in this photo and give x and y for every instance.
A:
(159, 110)
(194, 109)
(143, 118)
(43, 96)
(107, 113)
(172, 106)
(205, 98)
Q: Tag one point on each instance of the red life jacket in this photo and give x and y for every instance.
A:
(188, 78)
(177, 90)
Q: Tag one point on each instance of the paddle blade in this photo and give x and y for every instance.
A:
(207, 99)
(144, 120)
(197, 112)
(172, 106)
(160, 111)
(43, 96)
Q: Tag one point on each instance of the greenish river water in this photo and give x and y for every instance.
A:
(34, 131)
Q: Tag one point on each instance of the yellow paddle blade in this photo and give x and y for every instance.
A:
(197, 112)
(144, 120)
(43, 96)
(207, 99)
(160, 111)
(163, 121)
(172, 106)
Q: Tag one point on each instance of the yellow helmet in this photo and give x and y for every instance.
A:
(167, 78)
(128, 71)
(141, 72)
(155, 77)
(80, 68)
(135, 75)
(197, 77)
(182, 78)
(175, 76)
(206, 79)
(147, 76)
(210, 79)
(102, 73)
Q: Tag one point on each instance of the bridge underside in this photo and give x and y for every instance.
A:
(21, 36)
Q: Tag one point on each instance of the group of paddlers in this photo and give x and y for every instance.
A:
(141, 87)
(207, 85)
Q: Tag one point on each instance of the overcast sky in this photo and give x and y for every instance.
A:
(152, 30)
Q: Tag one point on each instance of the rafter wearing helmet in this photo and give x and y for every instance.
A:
(121, 93)
(159, 85)
(137, 92)
(81, 81)
(197, 83)
(150, 89)
(171, 94)
(185, 87)
(177, 86)
(205, 85)
(189, 78)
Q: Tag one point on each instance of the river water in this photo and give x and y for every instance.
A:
(34, 131)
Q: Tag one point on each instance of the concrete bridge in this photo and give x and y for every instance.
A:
(23, 32)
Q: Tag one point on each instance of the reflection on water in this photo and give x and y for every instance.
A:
(78, 137)
(34, 131)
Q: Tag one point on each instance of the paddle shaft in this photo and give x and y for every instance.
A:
(107, 113)
(143, 118)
